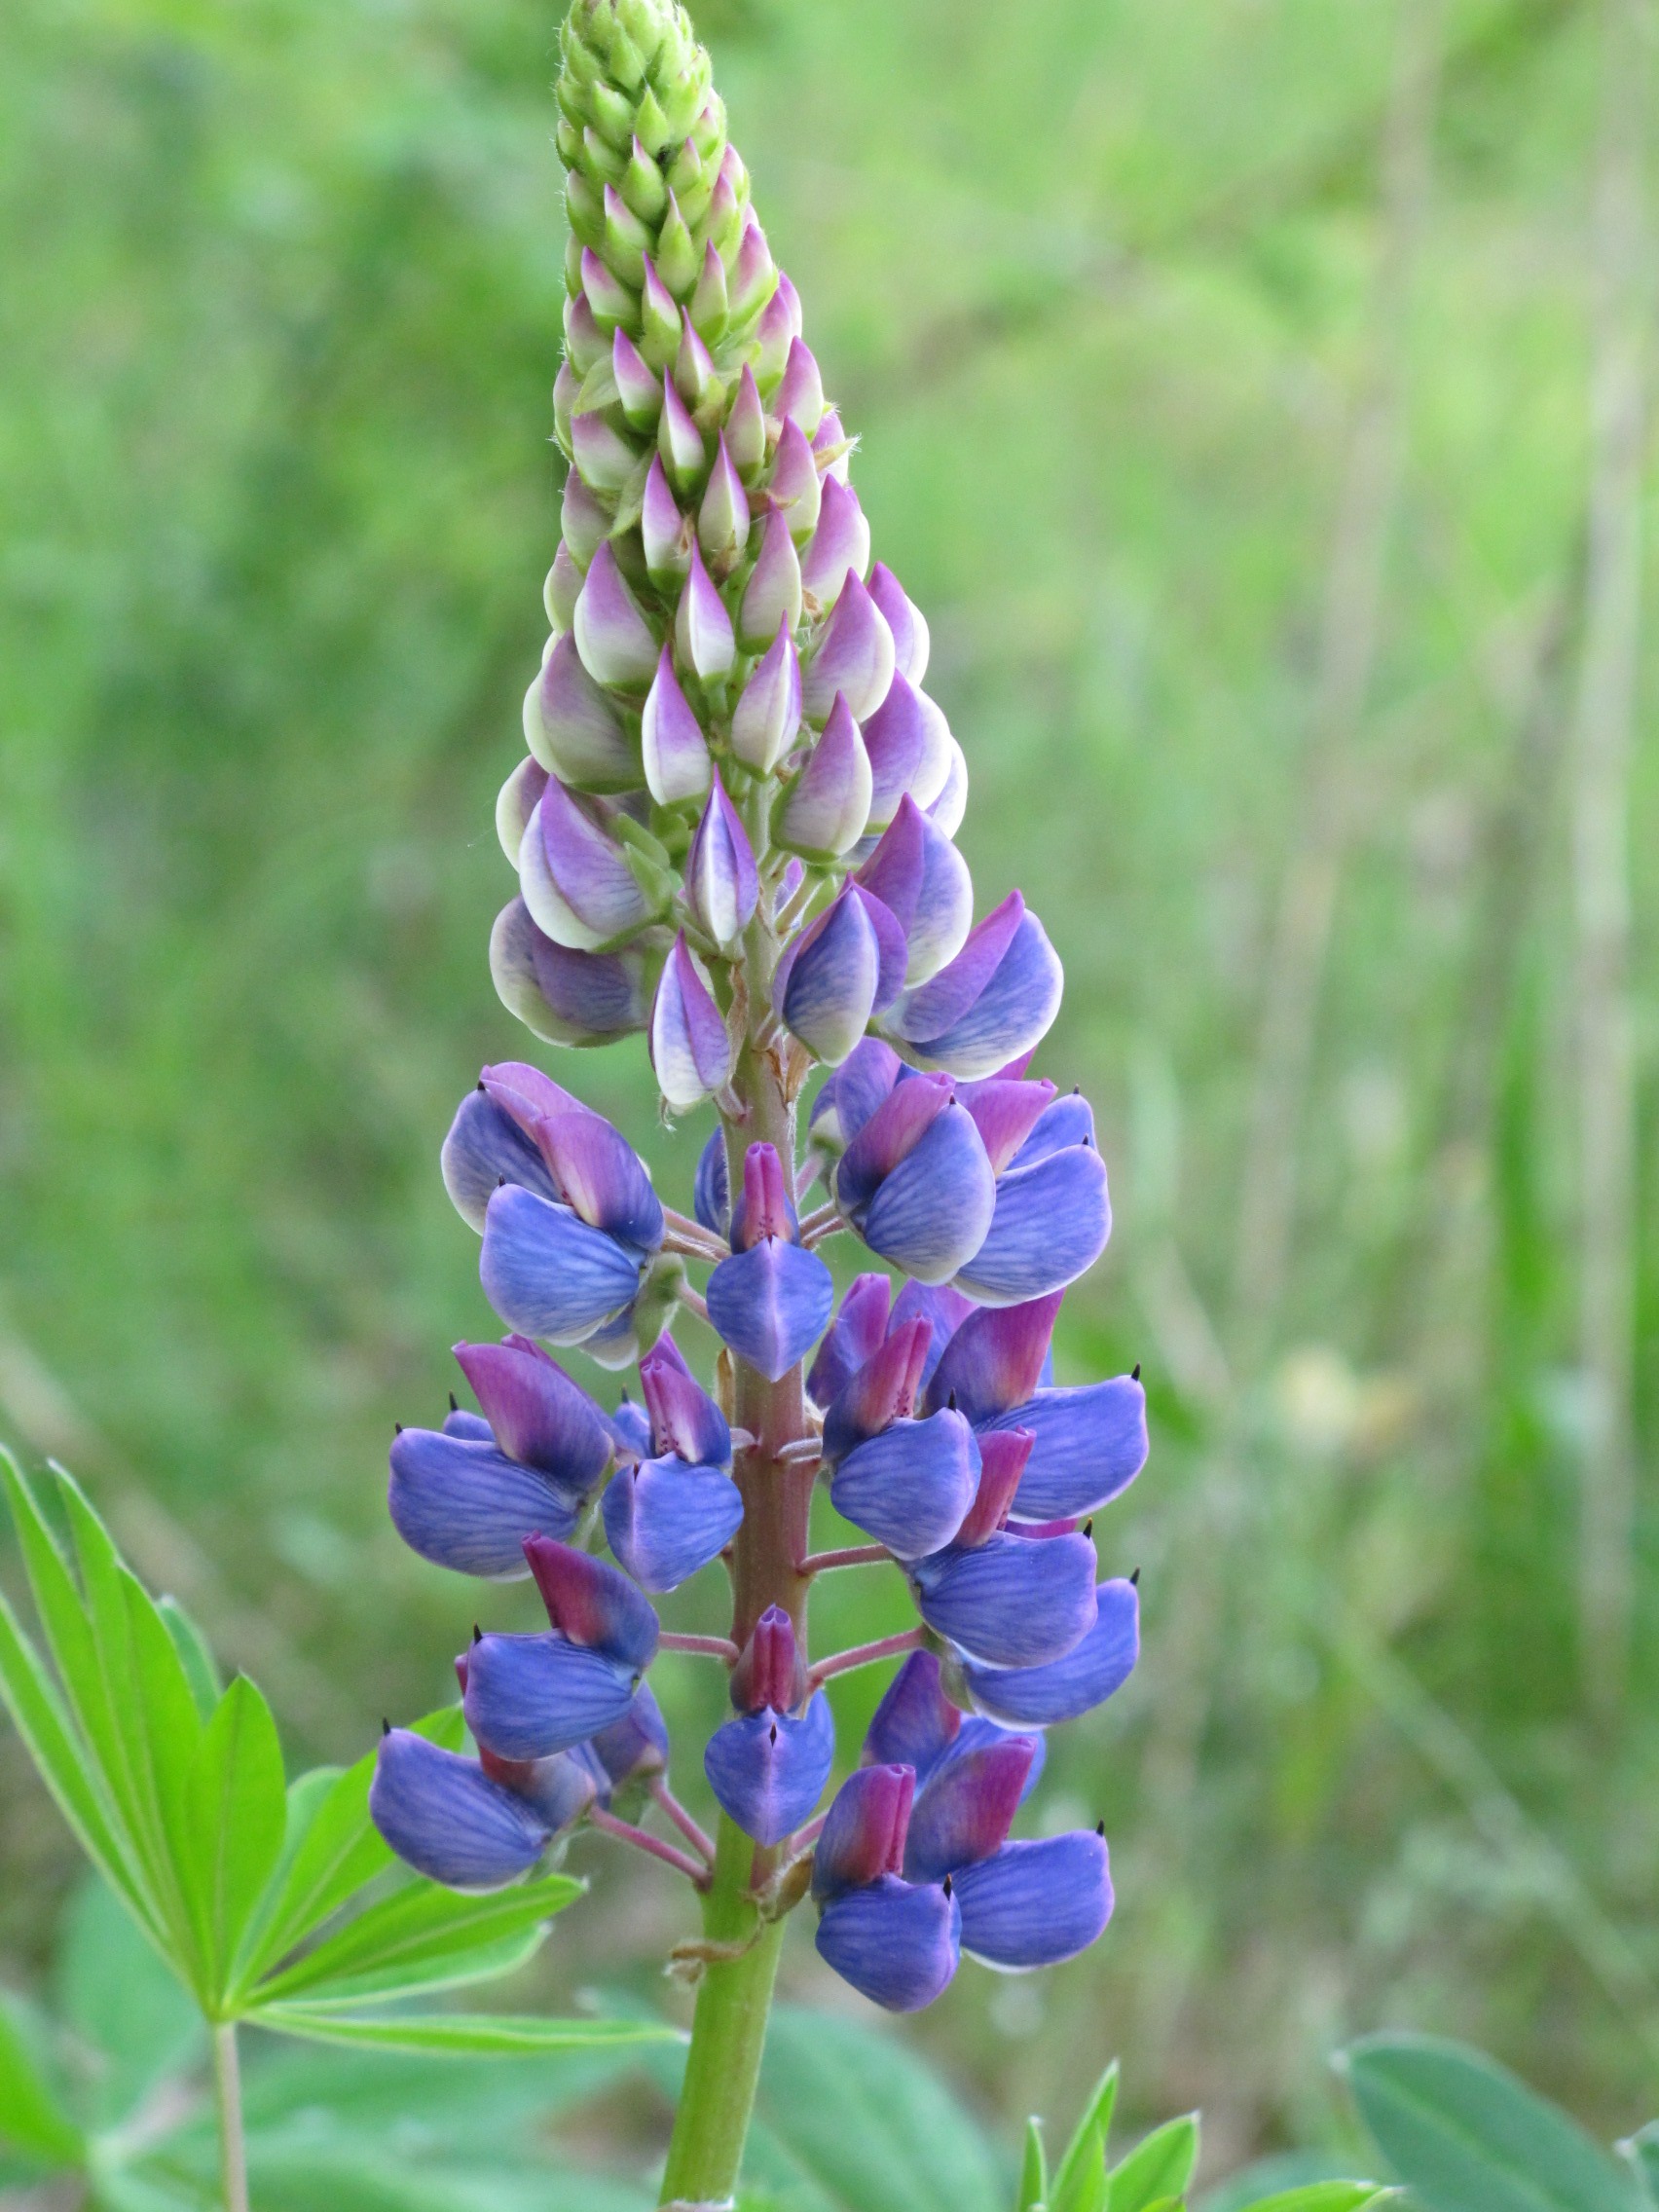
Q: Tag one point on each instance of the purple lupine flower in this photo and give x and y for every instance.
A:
(445, 1817)
(1052, 1215)
(565, 997)
(690, 1044)
(666, 1517)
(895, 1941)
(913, 1179)
(768, 1766)
(843, 968)
(905, 1481)
(922, 879)
(467, 1496)
(771, 1299)
(995, 1000)
(527, 1696)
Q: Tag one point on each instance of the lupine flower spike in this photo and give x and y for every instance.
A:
(734, 835)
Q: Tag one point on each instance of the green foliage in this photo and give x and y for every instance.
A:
(1466, 2136)
(237, 1880)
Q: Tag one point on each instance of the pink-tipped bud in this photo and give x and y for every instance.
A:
(702, 627)
(767, 716)
(722, 519)
(674, 749)
(823, 813)
(745, 428)
(840, 544)
(770, 1671)
(800, 395)
(772, 596)
(665, 531)
(796, 487)
(765, 1209)
(679, 442)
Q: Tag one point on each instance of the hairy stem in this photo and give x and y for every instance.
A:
(227, 2098)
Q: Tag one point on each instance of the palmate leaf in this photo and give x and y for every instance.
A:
(1085, 2152)
(1461, 2131)
(237, 1806)
(468, 2034)
(1322, 2196)
(1032, 2170)
(32, 2120)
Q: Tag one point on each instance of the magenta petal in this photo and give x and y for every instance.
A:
(537, 1414)
(691, 1046)
(1002, 1455)
(601, 1177)
(864, 1829)
(771, 1670)
(891, 1133)
(857, 1332)
(994, 1362)
(1005, 1112)
(854, 656)
(764, 1207)
(592, 1605)
(853, 1094)
(684, 1419)
(881, 1390)
(965, 1811)
(613, 636)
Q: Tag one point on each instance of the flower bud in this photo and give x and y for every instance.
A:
(922, 879)
(637, 386)
(693, 368)
(679, 443)
(674, 749)
(665, 531)
(702, 627)
(840, 545)
(772, 596)
(723, 887)
(909, 742)
(564, 996)
(771, 1670)
(690, 1047)
(575, 878)
(574, 729)
(795, 487)
(745, 428)
(613, 636)
(610, 300)
(711, 306)
(722, 519)
(854, 656)
(768, 715)
(799, 397)
(822, 810)
(659, 335)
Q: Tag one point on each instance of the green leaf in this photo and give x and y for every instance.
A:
(1160, 2165)
(1463, 2132)
(1095, 2119)
(422, 1936)
(869, 2123)
(32, 2120)
(130, 2009)
(1322, 2196)
(476, 2033)
(238, 1812)
(1033, 2171)
(1084, 2186)
(196, 1657)
(171, 1727)
(1641, 2152)
(331, 1851)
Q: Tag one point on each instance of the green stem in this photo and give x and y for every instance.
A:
(227, 2096)
(728, 2035)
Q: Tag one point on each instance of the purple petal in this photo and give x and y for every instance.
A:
(457, 1421)
(1036, 1697)
(1002, 1455)
(549, 1275)
(674, 749)
(634, 1747)
(558, 1789)
(710, 1189)
(946, 812)
(666, 532)
(905, 619)
(613, 636)
(897, 1945)
(890, 1134)
(529, 1696)
(801, 395)
(1067, 1122)
(772, 596)
(864, 1829)
(826, 984)
(795, 487)
(690, 1047)
(909, 1486)
(945, 1309)
(592, 1605)
(484, 1148)
(684, 1419)
(575, 879)
(602, 1176)
(770, 1304)
(444, 1816)
(764, 1207)
(722, 519)
(665, 1521)
(1051, 1223)
(853, 1336)
(994, 1360)
(768, 1769)
(525, 1093)
(840, 544)
(1089, 1444)
(572, 728)
(1005, 1110)
(937, 1204)
(537, 1414)
(702, 627)
(770, 1669)
(967, 1808)
(1033, 1904)
(1012, 1600)
(516, 802)
(951, 995)
(851, 1094)
(822, 813)
(722, 886)
(1011, 1013)
(768, 715)
(565, 996)
(918, 873)
(916, 1724)
(462, 1504)
(880, 1392)
(854, 656)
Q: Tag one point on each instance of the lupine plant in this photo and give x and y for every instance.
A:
(733, 837)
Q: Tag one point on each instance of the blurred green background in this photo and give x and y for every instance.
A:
(1227, 378)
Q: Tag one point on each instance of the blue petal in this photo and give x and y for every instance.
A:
(630, 1425)
(457, 1421)
(1068, 1120)
(484, 1148)
(909, 1486)
(462, 1504)
(1051, 1223)
(444, 1816)
(937, 1207)
(1090, 1445)
(770, 1303)
(965, 1811)
(559, 1789)
(635, 1744)
(1010, 1015)
(548, 1273)
(527, 1696)
(1033, 1904)
(711, 1191)
(896, 1944)
(1035, 1697)
(1012, 1602)
(768, 1769)
(916, 1724)
(855, 1335)
(665, 1521)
